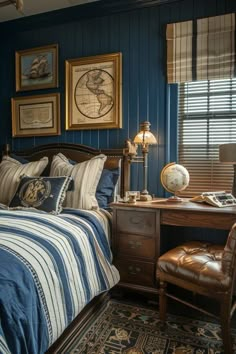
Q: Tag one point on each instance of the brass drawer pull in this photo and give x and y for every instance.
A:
(134, 270)
(136, 220)
(135, 244)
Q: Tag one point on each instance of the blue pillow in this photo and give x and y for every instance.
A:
(19, 159)
(106, 187)
(43, 193)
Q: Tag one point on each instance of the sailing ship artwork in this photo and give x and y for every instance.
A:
(37, 68)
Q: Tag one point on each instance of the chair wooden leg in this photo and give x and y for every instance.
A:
(225, 327)
(162, 301)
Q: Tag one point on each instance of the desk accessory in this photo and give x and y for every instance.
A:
(174, 178)
(218, 199)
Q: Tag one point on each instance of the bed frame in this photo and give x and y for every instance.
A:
(79, 153)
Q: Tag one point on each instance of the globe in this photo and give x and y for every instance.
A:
(174, 178)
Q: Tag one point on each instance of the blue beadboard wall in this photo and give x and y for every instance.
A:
(140, 35)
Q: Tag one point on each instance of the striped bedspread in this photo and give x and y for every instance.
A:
(50, 268)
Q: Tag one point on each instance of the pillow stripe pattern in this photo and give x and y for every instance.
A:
(11, 171)
(85, 175)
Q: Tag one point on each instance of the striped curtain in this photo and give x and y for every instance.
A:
(203, 49)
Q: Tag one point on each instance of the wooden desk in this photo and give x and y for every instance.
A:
(137, 234)
(193, 214)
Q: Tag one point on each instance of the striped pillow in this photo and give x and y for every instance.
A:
(85, 175)
(10, 172)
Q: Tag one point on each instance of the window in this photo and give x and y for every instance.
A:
(207, 118)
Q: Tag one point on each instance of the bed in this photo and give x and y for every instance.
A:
(60, 263)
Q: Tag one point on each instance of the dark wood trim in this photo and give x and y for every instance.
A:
(139, 288)
(75, 13)
(78, 324)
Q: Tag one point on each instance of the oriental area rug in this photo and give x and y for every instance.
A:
(123, 328)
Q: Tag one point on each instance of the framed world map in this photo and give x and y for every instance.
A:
(93, 92)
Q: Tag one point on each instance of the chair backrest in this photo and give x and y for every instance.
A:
(229, 255)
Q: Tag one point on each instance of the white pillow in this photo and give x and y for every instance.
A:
(10, 172)
(85, 175)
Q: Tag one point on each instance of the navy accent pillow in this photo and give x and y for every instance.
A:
(106, 187)
(19, 158)
(43, 193)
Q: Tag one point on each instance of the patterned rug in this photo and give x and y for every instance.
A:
(129, 329)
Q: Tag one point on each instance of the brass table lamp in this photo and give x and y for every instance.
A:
(145, 138)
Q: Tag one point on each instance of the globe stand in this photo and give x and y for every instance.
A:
(174, 199)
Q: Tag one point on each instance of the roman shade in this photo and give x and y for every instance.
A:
(202, 49)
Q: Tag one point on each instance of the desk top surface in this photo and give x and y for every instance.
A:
(186, 204)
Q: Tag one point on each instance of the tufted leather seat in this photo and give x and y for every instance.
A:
(205, 269)
(196, 262)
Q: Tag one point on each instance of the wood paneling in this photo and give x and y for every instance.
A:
(139, 33)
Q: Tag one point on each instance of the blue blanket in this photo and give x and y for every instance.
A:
(50, 268)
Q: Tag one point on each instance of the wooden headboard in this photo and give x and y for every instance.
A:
(78, 153)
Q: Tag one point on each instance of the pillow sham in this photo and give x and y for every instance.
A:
(85, 176)
(106, 187)
(10, 172)
(19, 158)
(43, 193)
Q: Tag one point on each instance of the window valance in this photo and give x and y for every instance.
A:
(203, 49)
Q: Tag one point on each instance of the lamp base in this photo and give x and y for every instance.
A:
(145, 197)
(234, 182)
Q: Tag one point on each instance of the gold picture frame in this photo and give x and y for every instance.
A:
(36, 115)
(93, 92)
(37, 68)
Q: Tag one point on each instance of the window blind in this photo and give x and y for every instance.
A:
(207, 118)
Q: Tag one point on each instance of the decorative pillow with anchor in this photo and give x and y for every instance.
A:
(43, 193)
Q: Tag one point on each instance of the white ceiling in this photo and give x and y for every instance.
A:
(33, 7)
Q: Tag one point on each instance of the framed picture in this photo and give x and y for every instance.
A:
(36, 115)
(93, 92)
(37, 68)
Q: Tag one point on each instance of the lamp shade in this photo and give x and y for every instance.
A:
(227, 153)
(145, 136)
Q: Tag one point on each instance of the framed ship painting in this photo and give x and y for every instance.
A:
(37, 68)
(93, 92)
(37, 115)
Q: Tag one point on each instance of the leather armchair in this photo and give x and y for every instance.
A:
(204, 269)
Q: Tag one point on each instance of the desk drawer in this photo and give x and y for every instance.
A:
(137, 222)
(138, 246)
(136, 272)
